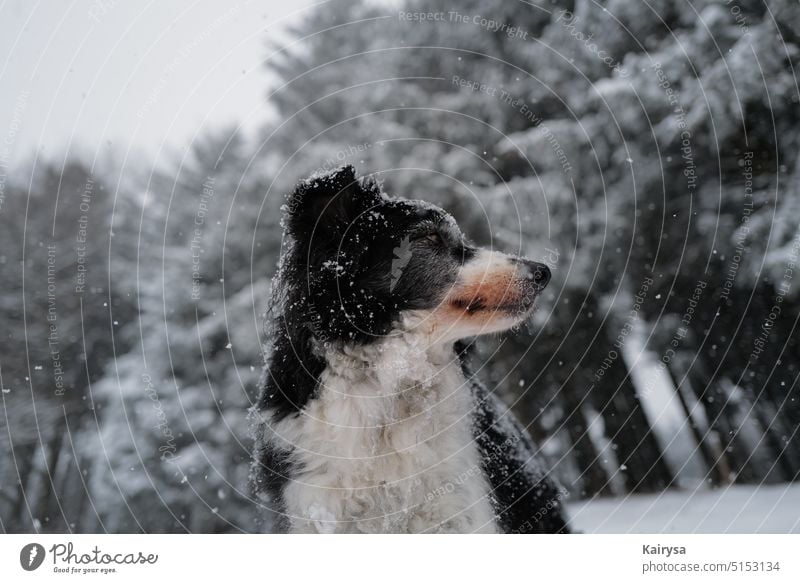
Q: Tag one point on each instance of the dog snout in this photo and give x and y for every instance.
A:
(537, 273)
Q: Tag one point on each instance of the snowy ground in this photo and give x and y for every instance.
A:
(737, 509)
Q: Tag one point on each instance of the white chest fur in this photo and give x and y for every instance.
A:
(387, 446)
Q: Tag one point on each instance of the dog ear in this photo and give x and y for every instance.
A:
(326, 204)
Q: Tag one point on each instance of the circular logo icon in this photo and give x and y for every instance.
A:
(31, 556)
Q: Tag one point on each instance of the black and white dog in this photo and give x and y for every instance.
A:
(369, 419)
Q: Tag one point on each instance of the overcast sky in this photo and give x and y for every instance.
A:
(94, 73)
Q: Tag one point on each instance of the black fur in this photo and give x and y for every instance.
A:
(336, 283)
(526, 500)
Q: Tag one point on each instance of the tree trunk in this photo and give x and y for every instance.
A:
(629, 431)
(24, 456)
(594, 479)
(46, 506)
(718, 470)
(721, 418)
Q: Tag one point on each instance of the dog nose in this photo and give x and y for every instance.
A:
(539, 273)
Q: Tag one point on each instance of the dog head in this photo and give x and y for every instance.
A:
(360, 264)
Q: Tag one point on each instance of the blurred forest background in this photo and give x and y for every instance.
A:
(649, 152)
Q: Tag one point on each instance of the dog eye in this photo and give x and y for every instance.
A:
(434, 238)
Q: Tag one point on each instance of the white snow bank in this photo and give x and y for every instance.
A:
(735, 509)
